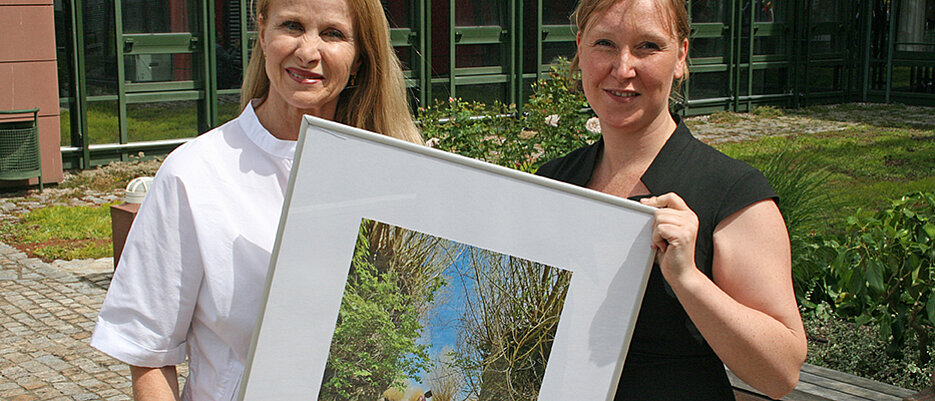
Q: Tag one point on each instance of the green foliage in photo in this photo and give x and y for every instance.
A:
(374, 345)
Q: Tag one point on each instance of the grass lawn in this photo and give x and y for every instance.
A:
(869, 163)
(63, 232)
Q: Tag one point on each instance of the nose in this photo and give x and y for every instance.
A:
(624, 65)
(308, 48)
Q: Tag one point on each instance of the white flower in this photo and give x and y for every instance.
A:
(552, 120)
(593, 125)
(432, 142)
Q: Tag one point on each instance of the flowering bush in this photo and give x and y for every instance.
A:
(556, 121)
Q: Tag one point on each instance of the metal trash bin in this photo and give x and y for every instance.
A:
(20, 156)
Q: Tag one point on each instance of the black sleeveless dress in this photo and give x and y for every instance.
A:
(668, 359)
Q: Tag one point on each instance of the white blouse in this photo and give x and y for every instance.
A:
(194, 265)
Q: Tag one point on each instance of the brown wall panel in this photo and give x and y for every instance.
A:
(6, 82)
(49, 138)
(28, 33)
(33, 84)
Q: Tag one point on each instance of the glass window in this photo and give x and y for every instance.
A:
(149, 16)
(63, 48)
(708, 11)
(162, 120)
(770, 81)
(398, 12)
(769, 45)
(554, 50)
(228, 108)
(227, 47)
(825, 11)
(479, 12)
(915, 26)
(479, 56)
(708, 85)
(100, 57)
(103, 124)
(824, 79)
(556, 12)
(159, 67)
(707, 47)
(485, 93)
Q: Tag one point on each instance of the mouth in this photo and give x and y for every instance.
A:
(304, 76)
(622, 94)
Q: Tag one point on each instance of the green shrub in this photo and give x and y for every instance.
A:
(884, 271)
(553, 124)
(476, 130)
(557, 113)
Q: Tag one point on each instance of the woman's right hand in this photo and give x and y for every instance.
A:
(675, 229)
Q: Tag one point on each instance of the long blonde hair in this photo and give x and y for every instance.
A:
(676, 13)
(377, 101)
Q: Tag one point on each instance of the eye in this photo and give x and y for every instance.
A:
(651, 46)
(292, 26)
(334, 34)
(603, 43)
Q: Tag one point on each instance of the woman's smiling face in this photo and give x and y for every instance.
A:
(629, 56)
(310, 54)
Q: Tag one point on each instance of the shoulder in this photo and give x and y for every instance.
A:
(575, 167)
(712, 183)
(196, 157)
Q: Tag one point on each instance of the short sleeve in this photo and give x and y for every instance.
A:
(146, 315)
(749, 188)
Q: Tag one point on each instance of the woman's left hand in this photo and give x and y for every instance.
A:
(674, 232)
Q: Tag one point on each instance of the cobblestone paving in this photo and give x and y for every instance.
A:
(46, 319)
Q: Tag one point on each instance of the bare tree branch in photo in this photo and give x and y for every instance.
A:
(509, 325)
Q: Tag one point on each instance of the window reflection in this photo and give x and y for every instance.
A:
(703, 11)
(227, 45)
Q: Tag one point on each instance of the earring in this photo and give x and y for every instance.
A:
(353, 81)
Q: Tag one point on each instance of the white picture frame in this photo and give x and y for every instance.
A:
(342, 175)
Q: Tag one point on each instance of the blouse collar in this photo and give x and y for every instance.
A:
(659, 175)
(263, 138)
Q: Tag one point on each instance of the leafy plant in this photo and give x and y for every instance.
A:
(485, 132)
(554, 124)
(885, 271)
(374, 345)
(557, 113)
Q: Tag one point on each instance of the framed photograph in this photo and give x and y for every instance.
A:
(401, 272)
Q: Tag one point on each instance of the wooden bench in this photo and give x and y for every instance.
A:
(821, 384)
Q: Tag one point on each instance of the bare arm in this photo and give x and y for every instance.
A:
(748, 314)
(155, 384)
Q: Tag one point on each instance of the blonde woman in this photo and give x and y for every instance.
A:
(193, 269)
(720, 292)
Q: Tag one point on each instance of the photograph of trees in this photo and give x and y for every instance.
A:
(424, 317)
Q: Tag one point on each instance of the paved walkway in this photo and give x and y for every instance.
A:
(47, 314)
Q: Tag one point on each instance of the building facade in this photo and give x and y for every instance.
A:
(125, 65)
